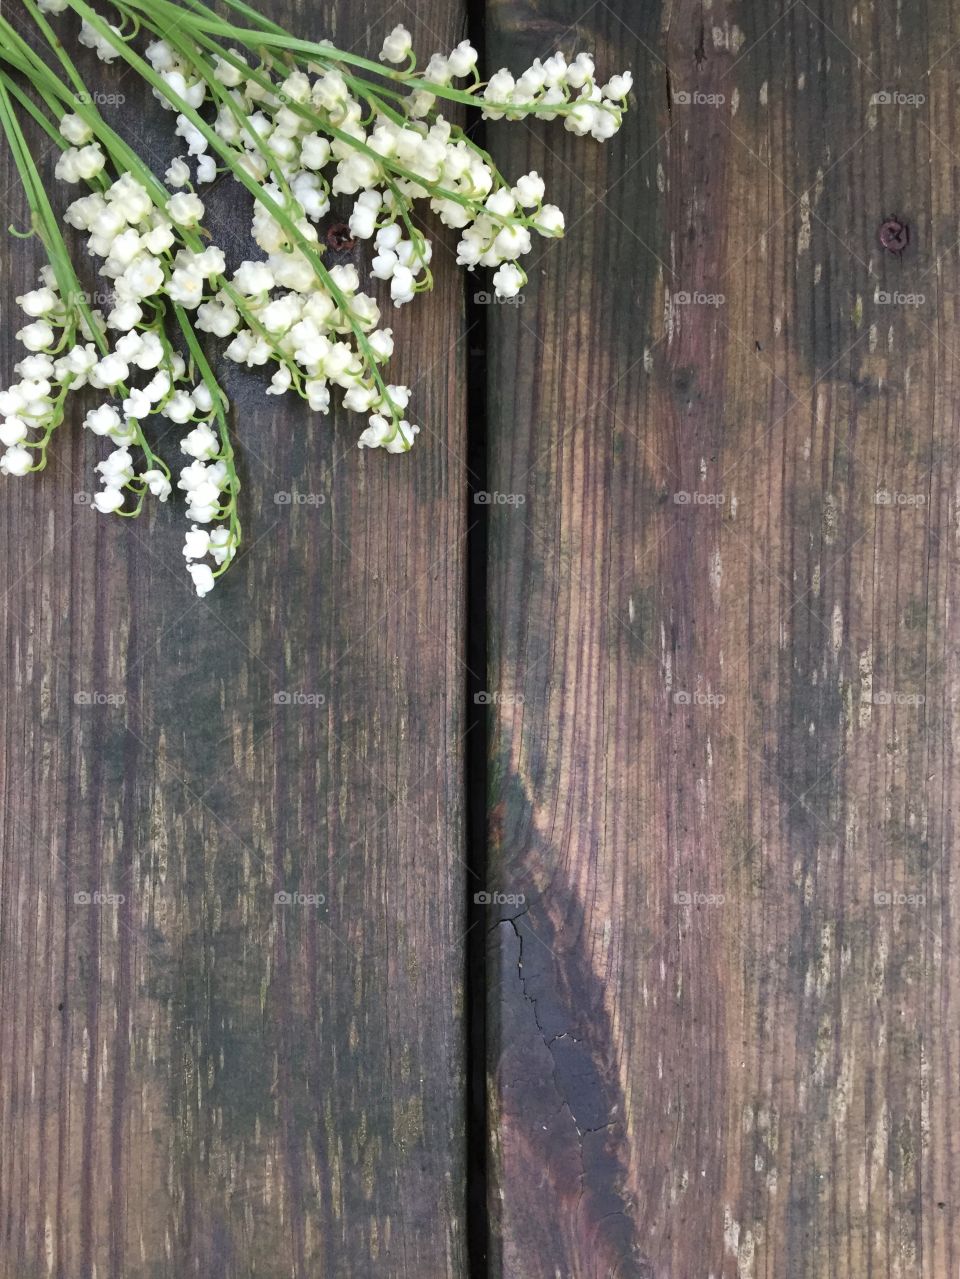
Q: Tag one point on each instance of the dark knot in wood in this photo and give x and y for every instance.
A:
(894, 235)
(339, 238)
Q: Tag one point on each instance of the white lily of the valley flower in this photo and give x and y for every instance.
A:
(201, 443)
(203, 578)
(157, 483)
(397, 46)
(16, 461)
(508, 280)
(185, 209)
(197, 543)
(13, 431)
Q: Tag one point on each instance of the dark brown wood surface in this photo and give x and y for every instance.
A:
(723, 1034)
(721, 673)
(199, 1082)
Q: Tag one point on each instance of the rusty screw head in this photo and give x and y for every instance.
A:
(894, 235)
(339, 238)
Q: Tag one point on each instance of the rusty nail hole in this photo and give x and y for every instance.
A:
(339, 237)
(894, 235)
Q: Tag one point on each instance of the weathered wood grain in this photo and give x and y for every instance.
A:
(198, 1081)
(723, 1036)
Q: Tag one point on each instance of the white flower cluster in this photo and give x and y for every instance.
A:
(298, 140)
(595, 110)
(315, 332)
(314, 134)
(32, 407)
(204, 480)
(136, 239)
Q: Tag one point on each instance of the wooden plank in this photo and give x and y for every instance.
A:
(722, 1033)
(199, 1081)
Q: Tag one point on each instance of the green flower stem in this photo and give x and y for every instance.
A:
(127, 160)
(219, 91)
(186, 328)
(321, 122)
(205, 70)
(276, 211)
(62, 270)
(243, 119)
(433, 189)
(50, 36)
(48, 228)
(43, 221)
(100, 184)
(329, 54)
(122, 156)
(254, 15)
(221, 94)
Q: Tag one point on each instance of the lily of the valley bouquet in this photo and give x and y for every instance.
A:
(295, 122)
